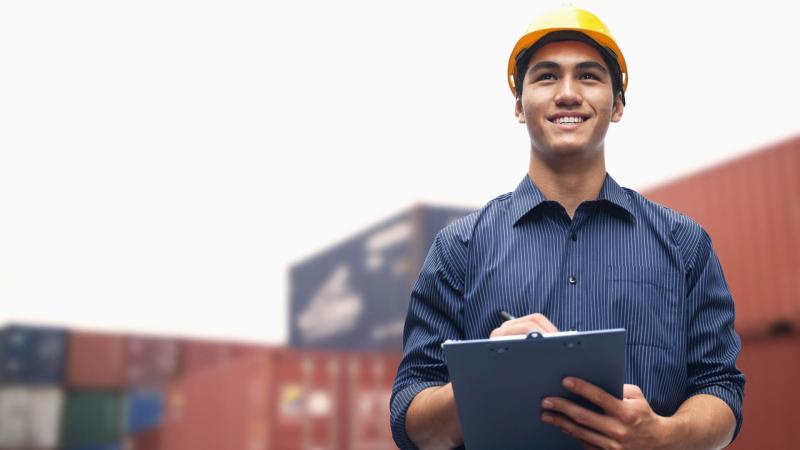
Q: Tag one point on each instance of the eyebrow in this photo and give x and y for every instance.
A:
(554, 65)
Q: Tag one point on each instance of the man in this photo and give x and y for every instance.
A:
(571, 249)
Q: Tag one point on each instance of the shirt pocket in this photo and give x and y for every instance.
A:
(644, 301)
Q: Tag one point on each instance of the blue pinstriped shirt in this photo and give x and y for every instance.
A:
(621, 262)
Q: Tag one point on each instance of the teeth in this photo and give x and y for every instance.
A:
(569, 120)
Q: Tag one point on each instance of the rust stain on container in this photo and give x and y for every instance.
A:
(751, 209)
(772, 393)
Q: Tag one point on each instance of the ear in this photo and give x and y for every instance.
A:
(618, 108)
(519, 113)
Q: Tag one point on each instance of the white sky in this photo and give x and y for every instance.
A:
(163, 162)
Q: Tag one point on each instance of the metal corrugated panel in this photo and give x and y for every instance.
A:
(32, 355)
(772, 393)
(30, 417)
(751, 208)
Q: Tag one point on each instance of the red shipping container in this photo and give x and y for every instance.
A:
(771, 395)
(202, 354)
(152, 361)
(309, 406)
(220, 408)
(369, 379)
(750, 207)
(97, 360)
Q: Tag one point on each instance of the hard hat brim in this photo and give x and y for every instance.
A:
(531, 38)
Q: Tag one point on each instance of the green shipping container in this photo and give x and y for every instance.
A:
(92, 418)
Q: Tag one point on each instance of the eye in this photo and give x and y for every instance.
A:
(589, 76)
(546, 76)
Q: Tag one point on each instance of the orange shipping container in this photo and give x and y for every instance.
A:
(97, 360)
(221, 408)
(369, 379)
(751, 208)
(202, 354)
(309, 401)
(771, 395)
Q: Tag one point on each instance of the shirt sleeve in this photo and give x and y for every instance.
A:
(713, 345)
(432, 318)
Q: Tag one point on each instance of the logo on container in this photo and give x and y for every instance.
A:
(334, 308)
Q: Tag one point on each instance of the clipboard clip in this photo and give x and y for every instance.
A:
(534, 335)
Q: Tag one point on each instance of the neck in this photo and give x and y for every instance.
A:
(570, 180)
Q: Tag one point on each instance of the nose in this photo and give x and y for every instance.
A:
(568, 93)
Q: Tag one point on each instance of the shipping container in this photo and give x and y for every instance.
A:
(30, 417)
(750, 207)
(152, 361)
(202, 354)
(32, 355)
(355, 295)
(369, 379)
(772, 393)
(97, 361)
(92, 418)
(144, 410)
(220, 408)
(309, 407)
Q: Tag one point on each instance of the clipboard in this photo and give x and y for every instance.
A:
(499, 383)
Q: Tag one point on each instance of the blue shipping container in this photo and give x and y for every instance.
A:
(355, 295)
(32, 355)
(144, 410)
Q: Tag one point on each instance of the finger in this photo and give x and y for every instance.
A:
(607, 402)
(606, 425)
(577, 431)
(543, 322)
(536, 320)
(508, 330)
(631, 391)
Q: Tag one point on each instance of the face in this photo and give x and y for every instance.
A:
(567, 102)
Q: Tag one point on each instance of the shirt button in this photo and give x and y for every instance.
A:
(573, 279)
(574, 237)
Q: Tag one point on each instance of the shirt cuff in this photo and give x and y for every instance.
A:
(731, 396)
(399, 407)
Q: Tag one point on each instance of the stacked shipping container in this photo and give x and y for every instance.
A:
(31, 370)
(116, 391)
(129, 392)
(751, 208)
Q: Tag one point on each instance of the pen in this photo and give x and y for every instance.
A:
(505, 315)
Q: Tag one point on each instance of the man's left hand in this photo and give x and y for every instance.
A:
(629, 423)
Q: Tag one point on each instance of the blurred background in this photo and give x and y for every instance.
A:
(212, 213)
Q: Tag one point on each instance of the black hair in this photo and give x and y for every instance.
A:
(609, 57)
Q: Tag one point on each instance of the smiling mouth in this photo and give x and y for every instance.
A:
(568, 120)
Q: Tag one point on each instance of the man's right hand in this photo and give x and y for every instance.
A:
(524, 325)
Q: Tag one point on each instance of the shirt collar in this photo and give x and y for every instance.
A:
(527, 197)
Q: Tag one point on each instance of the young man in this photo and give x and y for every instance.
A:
(571, 249)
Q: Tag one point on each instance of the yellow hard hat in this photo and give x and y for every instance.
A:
(567, 18)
